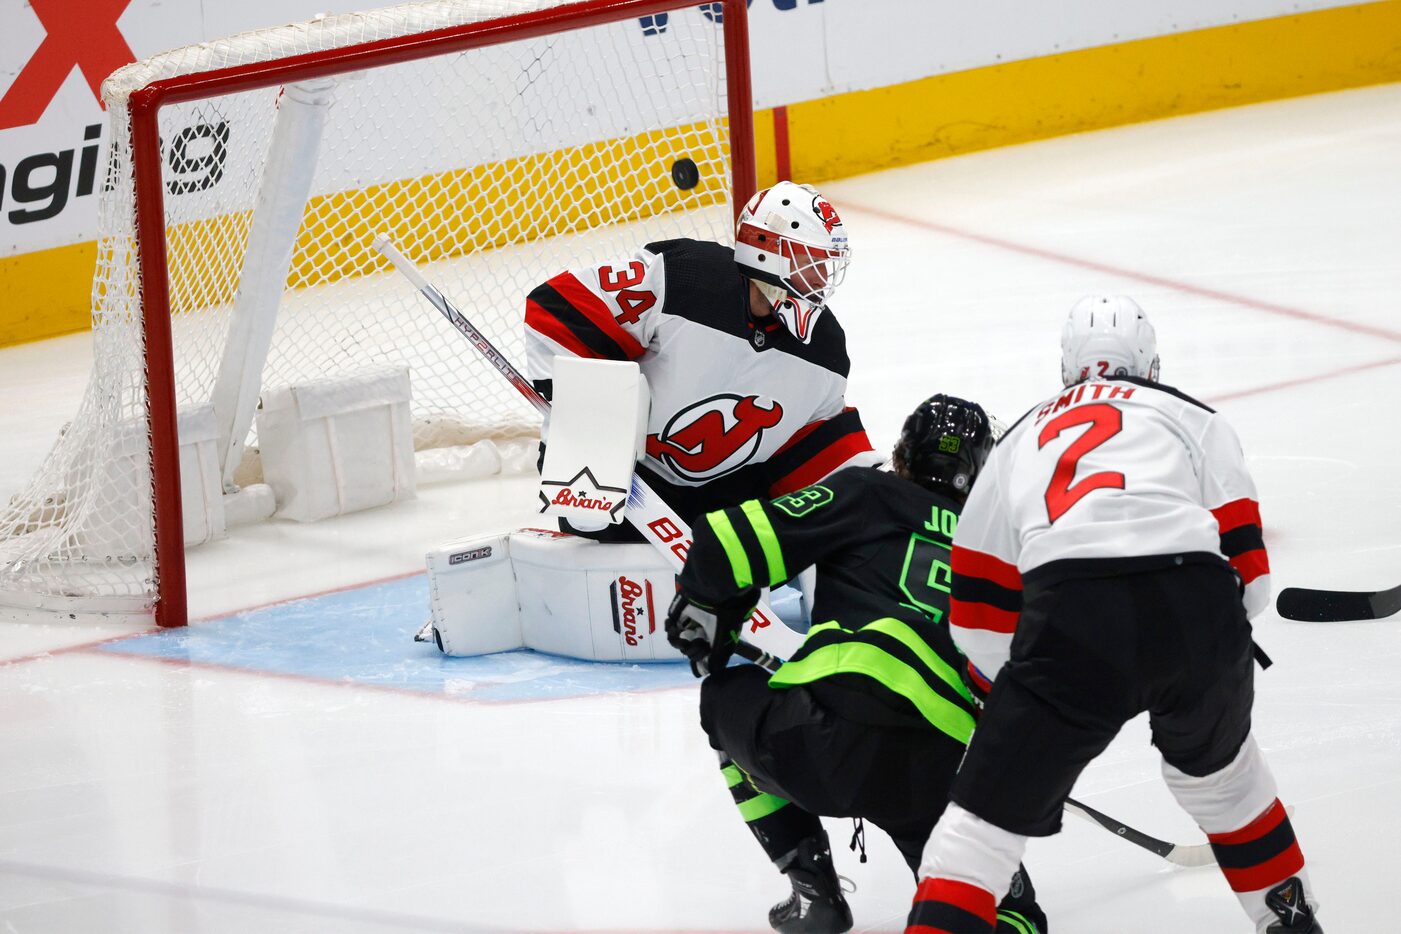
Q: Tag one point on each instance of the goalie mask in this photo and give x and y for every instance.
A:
(944, 443)
(790, 241)
(1107, 336)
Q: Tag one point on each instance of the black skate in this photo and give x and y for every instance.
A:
(1295, 914)
(816, 905)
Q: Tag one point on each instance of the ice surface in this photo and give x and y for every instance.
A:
(149, 787)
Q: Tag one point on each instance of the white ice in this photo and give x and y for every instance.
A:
(138, 795)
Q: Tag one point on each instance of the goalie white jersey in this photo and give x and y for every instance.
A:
(734, 398)
(1106, 477)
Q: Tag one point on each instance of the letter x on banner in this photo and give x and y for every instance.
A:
(79, 34)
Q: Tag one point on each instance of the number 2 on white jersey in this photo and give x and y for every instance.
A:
(1105, 422)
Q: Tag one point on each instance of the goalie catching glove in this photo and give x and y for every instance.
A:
(707, 635)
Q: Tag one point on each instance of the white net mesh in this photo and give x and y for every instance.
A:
(494, 168)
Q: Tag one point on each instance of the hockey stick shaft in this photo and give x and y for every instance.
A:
(658, 523)
(458, 320)
(1181, 855)
(1335, 606)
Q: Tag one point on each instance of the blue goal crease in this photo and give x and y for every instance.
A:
(365, 636)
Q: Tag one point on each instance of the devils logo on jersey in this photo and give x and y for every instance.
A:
(714, 436)
(826, 213)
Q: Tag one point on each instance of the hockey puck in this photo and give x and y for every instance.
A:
(685, 174)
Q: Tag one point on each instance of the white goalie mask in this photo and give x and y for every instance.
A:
(1107, 336)
(790, 241)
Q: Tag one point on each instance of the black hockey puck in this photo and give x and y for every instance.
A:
(685, 174)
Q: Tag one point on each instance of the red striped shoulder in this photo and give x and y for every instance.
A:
(596, 310)
(547, 325)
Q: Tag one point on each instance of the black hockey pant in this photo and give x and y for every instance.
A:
(1090, 654)
(792, 758)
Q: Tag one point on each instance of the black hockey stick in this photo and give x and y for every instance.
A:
(1176, 853)
(1335, 606)
(1179, 854)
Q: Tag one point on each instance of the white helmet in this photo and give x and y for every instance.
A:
(790, 241)
(1106, 336)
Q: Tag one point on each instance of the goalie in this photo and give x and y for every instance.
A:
(717, 373)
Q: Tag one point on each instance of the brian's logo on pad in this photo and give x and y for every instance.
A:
(632, 609)
(581, 492)
(581, 500)
(714, 436)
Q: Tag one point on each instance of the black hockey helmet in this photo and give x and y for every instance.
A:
(945, 442)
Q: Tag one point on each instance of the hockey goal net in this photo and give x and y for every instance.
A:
(497, 141)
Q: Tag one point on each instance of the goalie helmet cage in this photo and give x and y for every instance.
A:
(500, 141)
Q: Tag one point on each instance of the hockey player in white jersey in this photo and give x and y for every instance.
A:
(1106, 563)
(746, 365)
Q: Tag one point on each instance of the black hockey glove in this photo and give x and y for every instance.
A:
(707, 635)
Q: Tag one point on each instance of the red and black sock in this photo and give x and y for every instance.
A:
(943, 906)
(1260, 854)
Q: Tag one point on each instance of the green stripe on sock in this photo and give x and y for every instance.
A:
(768, 540)
(760, 806)
(1017, 922)
(732, 775)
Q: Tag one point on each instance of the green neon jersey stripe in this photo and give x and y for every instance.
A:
(910, 640)
(732, 775)
(739, 561)
(864, 659)
(768, 540)
(760, 806)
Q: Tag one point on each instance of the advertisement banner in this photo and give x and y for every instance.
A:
(55, 53)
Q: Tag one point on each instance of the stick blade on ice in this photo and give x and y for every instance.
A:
(1329, 606)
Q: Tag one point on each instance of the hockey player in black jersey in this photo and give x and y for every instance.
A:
(1106, 565)
(869, 719)
(746, 364)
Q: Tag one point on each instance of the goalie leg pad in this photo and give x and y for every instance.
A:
(472, 595)
(551, 592)
(589, 600)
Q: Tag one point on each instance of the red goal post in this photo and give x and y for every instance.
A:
(62, 565)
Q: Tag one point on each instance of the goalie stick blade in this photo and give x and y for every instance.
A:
(1334, 606)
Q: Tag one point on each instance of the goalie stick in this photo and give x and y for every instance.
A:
(1336, 606)
(1176, 853)
(657, 522)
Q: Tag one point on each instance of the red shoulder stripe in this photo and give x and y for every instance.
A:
(547, 325)
(592, 307)
(970, 563)
(1237, 513)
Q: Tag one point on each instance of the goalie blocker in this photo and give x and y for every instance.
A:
(594, 434)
